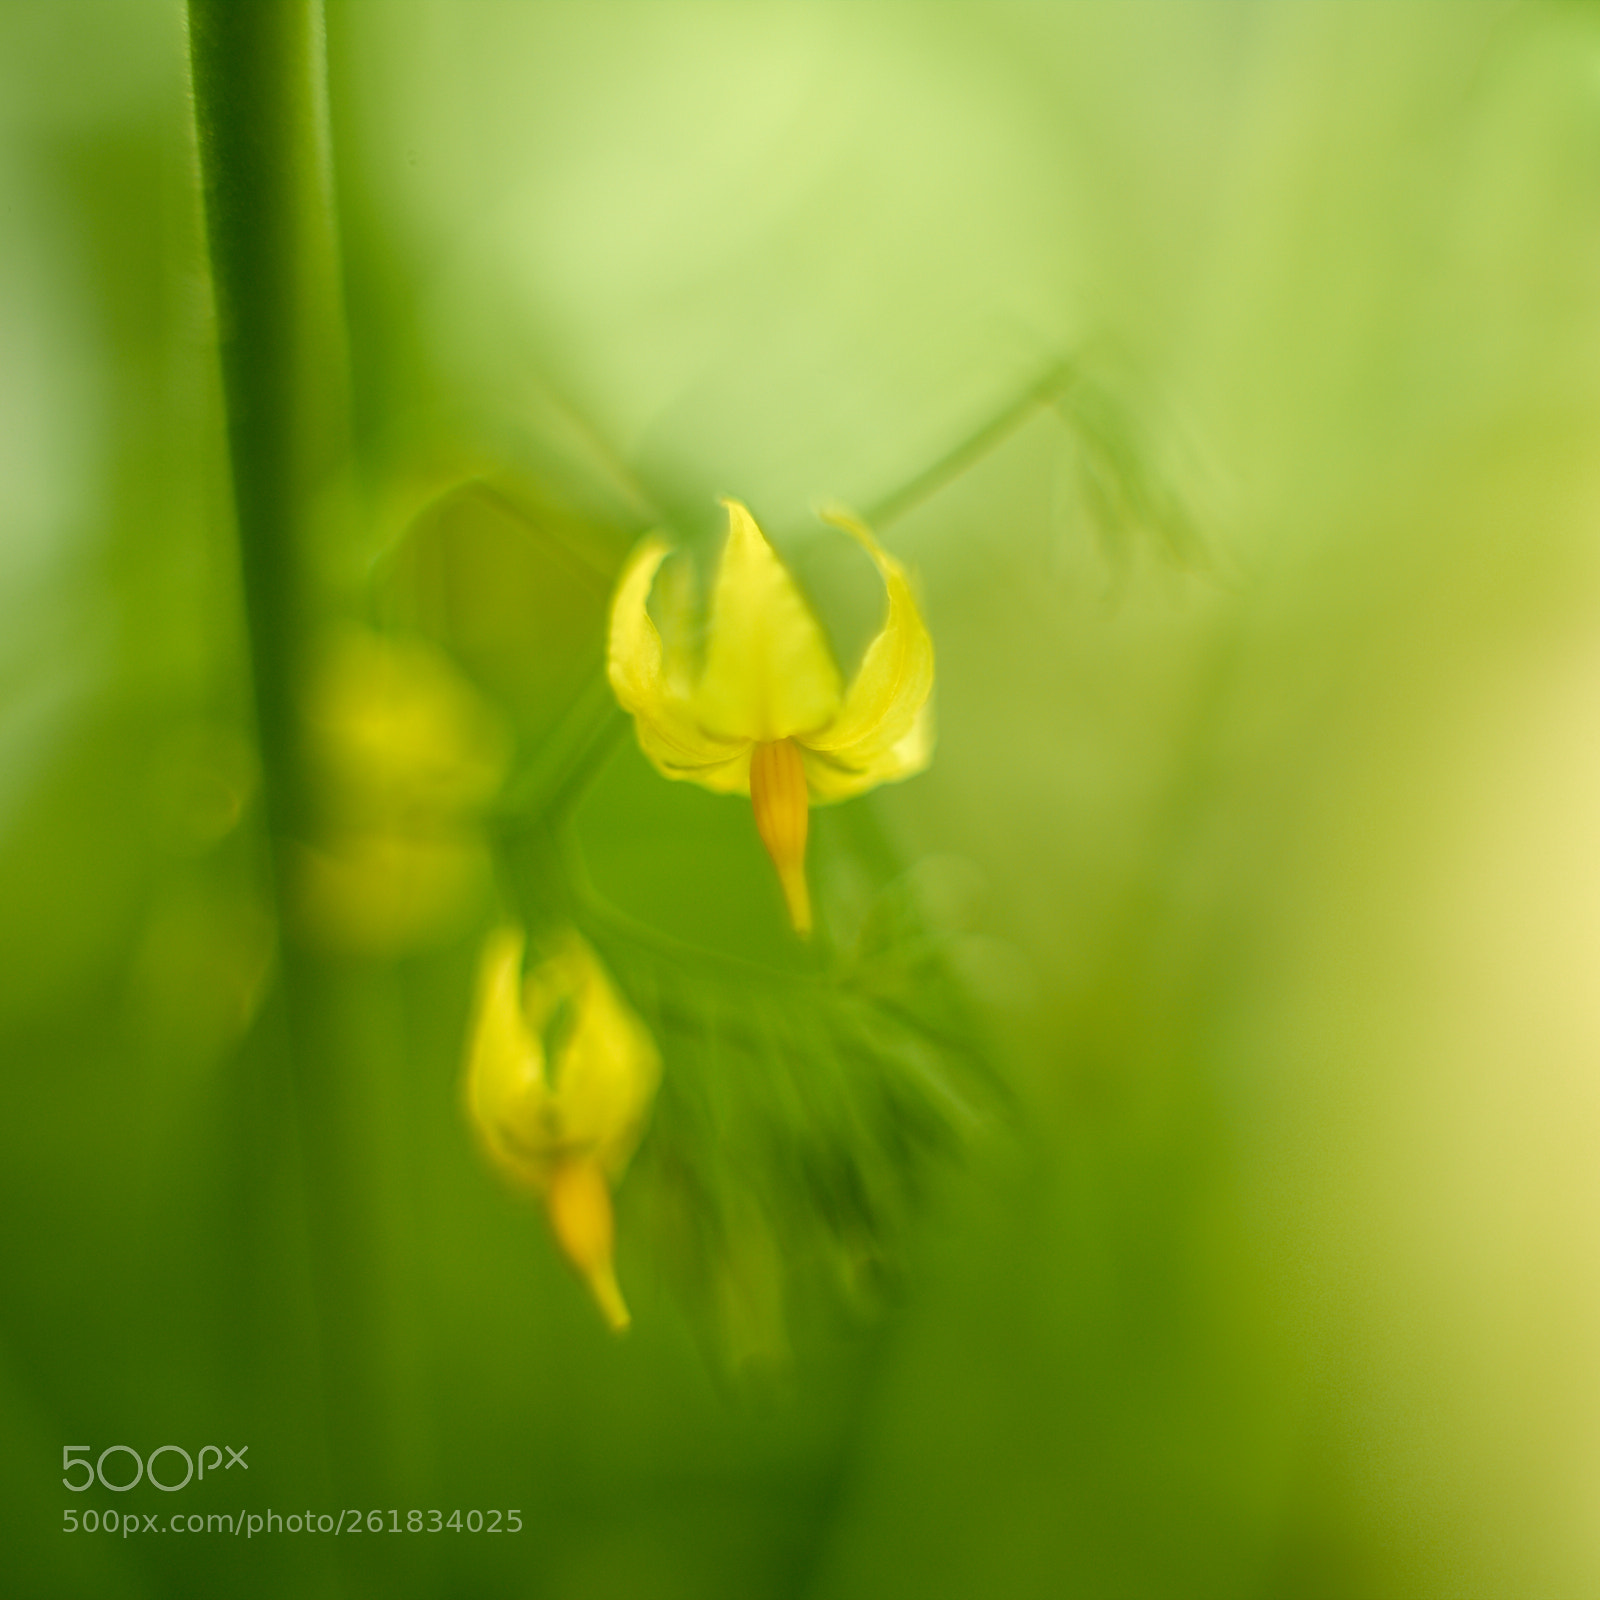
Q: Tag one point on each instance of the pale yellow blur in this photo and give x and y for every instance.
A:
(407, 756)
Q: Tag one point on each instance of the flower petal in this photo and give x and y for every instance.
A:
(560, 1069)
(769, 674)
(670, 733)
(505, 1061)
(883, 730)
(606, 1069)
(830, 777)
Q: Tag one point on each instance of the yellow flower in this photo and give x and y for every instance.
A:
(560, 1077)
(766, 712)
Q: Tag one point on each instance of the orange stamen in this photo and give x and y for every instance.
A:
(578, 1202)
(783, 811)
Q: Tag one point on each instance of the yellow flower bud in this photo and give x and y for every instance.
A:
(560, 1078)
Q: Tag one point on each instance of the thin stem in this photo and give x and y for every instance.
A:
(1043, 392)
(572, 753)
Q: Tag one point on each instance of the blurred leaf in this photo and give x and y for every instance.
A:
(801, 1111)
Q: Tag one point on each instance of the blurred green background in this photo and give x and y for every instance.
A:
(1259, 853)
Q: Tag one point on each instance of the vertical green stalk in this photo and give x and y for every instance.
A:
(255, 115)
(257, 91)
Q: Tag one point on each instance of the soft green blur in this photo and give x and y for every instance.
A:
(1261, 847)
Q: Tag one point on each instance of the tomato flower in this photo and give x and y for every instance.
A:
(560, 1078)
(765, 711)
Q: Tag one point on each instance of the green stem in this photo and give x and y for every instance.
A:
(251, 64)
(1043, 392)
(257, 84)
